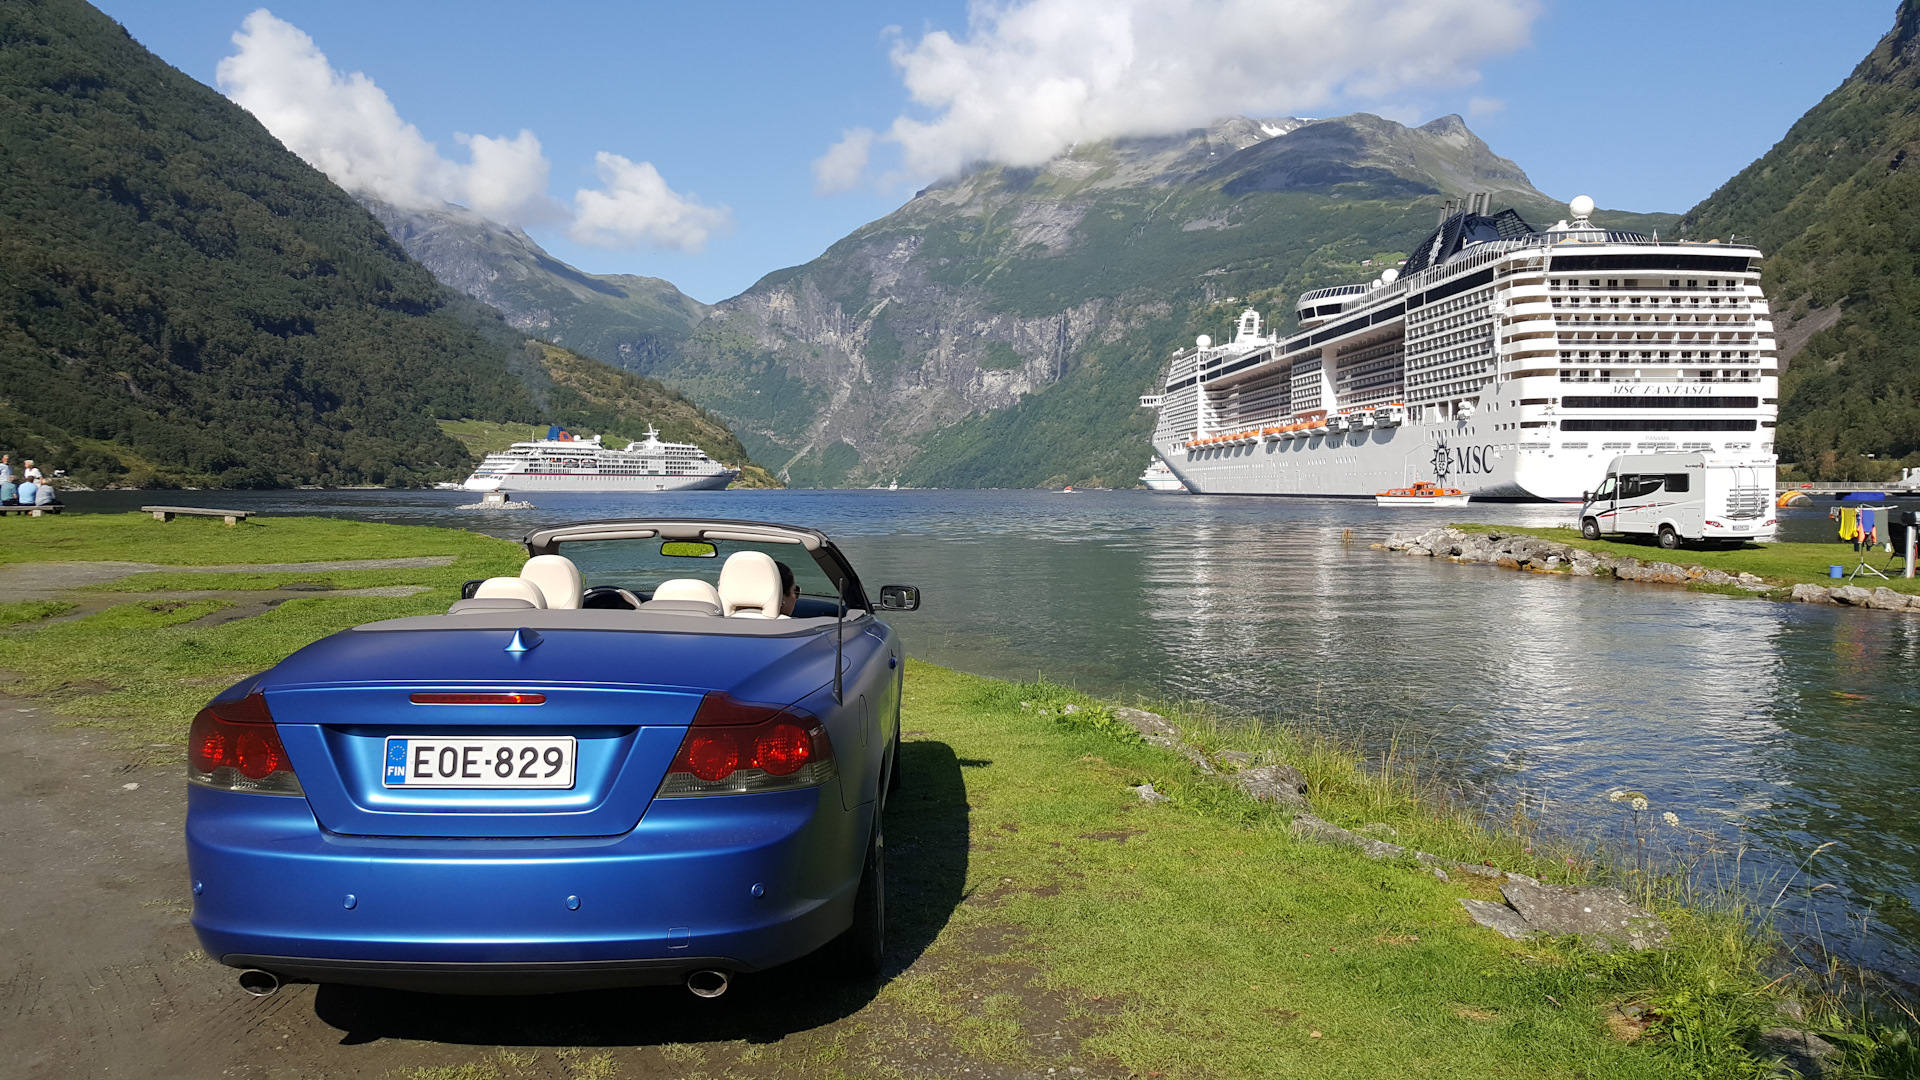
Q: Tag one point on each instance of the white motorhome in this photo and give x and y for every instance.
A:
(1683, 497)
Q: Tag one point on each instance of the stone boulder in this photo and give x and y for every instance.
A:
(1308, 827)
(1850, 594)
(1812, 594)
(1888, 600)
(1281, 784)
(1807, 1054)
(1605, 919)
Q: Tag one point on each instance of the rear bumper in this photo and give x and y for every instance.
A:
(432, 978)
(676, 894)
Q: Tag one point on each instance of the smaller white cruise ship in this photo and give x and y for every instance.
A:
(1160, 478)
(561, 462)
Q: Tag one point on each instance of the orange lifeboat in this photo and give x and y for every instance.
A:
(1422, 493)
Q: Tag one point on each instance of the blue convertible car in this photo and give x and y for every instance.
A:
(658, 755)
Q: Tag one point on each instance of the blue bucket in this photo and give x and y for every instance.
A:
(1836, 571)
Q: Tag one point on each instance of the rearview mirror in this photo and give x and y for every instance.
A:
(899, 598)
(689, 549)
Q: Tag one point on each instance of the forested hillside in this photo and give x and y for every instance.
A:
(183, 301)
(1836, 205)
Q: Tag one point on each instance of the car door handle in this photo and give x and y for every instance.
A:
(893, 661)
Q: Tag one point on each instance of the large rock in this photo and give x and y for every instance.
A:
(1603, 918)
(1850, 594)
(1812, 594)
(1888, 600)
(1498, 917)
(1807, 1054)
(1281, 784)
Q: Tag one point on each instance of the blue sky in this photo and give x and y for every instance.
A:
(1644, 105)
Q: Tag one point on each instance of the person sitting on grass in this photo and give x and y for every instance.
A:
(24, 495)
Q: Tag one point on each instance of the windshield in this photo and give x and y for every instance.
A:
(639, 566)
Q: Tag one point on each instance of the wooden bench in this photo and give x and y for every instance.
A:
(32, 511)
(166, 513)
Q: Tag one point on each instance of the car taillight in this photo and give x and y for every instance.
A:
(738, 747)
(234, 746)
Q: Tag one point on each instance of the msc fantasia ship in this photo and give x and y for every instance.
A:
(1509, 362)
(562, 463)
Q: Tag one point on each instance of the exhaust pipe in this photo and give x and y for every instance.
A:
(708, 984)
(259, 983)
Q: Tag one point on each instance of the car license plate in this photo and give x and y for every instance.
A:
(1742, 528)
(479, 762)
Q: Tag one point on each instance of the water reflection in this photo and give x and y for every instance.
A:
(1778, 726)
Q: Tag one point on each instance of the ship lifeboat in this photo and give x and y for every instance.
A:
(1421, 494)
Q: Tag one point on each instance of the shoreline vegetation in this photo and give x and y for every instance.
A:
(1151, 887)
(1796, 572)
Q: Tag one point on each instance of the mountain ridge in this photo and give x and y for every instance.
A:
(188, 303)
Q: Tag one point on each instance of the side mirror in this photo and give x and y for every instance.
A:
(899, 598)
(468, 588)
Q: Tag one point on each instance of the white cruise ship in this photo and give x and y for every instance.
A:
(1160, 478)
(1510, 362)
(562, 463)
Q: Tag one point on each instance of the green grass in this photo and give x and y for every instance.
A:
(26, 611)
(1779, 564)
(1222, 946)
(210, 542)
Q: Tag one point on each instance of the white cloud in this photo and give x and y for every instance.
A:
(1033, 77)
(346, 126)
(1483, 106)
(840, 168)
(638, 207)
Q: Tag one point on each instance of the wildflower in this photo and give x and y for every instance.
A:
(1640, 802)
(1616, 795)
(1672, 818)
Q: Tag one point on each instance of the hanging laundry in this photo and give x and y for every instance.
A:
(1869, 535)
(1849, 523)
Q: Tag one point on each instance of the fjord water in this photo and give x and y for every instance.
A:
(1771, 728)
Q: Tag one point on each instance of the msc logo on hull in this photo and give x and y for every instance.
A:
(1450, 461)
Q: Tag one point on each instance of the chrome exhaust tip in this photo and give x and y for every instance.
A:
(708, 984)
(259, 983)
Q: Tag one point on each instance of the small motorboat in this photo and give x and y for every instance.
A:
(1422, 494)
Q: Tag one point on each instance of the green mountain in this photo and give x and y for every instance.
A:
(1836, 205)
(186, 302)
(998, 329)
(619, 318)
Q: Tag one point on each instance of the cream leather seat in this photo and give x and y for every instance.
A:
(687, 589)
(750, 586)
(557, 579)
(511, 588)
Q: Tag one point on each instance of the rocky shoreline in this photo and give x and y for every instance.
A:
(1518, 551)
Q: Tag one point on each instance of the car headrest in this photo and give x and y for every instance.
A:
(750, 586)
(558, 579)
(692, 589)
(491, 603)
(511, 588)
(680, 607)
